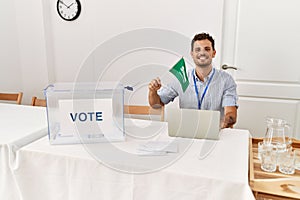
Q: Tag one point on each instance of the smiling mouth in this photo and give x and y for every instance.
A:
(202, 58)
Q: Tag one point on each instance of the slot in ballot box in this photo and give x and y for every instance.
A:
(85, 112)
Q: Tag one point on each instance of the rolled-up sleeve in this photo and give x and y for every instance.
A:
(167, 94)
(230, 97)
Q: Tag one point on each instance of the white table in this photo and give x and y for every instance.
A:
(74, 172)
(19, 125)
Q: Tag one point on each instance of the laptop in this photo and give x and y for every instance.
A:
(192, 123)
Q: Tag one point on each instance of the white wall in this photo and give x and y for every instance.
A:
(10, 70)
(38, 47)
(102, 20)
(75, 46)
(23, 58)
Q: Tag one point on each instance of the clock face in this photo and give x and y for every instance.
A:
(69, 10)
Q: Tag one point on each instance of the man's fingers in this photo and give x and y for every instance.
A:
(158, 80)
(155, 84)
(228, 122)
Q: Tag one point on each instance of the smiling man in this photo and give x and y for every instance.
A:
(209, 88)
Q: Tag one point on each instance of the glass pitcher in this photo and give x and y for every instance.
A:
(277, 133)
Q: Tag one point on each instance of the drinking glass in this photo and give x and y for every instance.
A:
(260, 149)
(268, 158)
(297, 159)
(286, 162)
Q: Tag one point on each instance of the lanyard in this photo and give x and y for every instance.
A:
(205, 89)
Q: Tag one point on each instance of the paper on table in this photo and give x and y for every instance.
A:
(159, 146)
(151, 153)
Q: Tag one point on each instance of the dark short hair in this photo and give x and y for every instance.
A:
(203, 36)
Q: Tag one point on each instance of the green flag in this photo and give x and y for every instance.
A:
(179, 71)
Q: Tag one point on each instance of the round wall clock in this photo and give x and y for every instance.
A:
(68, 10)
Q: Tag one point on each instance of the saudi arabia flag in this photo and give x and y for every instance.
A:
(179, 71)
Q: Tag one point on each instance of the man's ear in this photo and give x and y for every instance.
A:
(214, 53)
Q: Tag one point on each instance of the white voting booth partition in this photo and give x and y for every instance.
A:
(85, 112)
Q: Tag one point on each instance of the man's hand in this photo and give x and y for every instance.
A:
(153, 98)
(230, 113)
(154, 85)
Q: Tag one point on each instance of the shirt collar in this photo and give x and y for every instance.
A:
(206, 78)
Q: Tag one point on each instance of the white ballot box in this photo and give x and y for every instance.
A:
(85, 112)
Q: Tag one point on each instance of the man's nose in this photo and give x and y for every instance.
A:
(200, 53)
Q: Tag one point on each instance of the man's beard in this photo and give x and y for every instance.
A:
(204, 65)
(203, 61)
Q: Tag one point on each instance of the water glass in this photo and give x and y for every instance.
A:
(260, 149)
(268, 158)
(297, 159)
(286, 162)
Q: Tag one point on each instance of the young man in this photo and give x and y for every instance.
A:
(209, 88)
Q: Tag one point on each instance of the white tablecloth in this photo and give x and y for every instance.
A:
(55, 172)
(19, 125)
